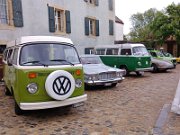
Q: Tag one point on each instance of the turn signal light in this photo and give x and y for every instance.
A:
(32, 75)
(78, 72)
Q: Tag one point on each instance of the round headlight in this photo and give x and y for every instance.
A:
(32, 88)
(78, 83)
(139, 63)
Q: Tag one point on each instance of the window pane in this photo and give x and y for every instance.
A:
(3, 12)
(49, 54)
(126, 52)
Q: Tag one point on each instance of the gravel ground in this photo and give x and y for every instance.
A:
(130, 108)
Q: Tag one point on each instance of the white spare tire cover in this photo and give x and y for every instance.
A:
(60, 85)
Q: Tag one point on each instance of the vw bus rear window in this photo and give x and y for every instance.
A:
(48, 54)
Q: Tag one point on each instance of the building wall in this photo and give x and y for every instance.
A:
(118, 32)
(35, 20)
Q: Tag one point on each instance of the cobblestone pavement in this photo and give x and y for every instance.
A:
(131, 108)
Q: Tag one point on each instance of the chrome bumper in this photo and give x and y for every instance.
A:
(144, 69)
(52, 104)
(104, 82)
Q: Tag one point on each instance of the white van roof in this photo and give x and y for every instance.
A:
(29, 39)
(126, 45)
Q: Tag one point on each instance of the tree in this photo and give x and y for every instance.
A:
(140, 31)
(155, 26)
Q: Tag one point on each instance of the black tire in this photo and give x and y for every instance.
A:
(138, 73)
(126, 70)
(7, 92)
(113, 85)
(155, 68)
(17, 109)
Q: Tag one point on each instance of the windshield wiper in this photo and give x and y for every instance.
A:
(63, 60)
(34, 62)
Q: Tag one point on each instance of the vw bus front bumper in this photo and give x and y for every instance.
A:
(144, 69)
(53, 104)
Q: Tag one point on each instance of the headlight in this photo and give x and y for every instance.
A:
(32, 88)
(78, 83)
(139, 63)
(119, 74)
(91, 77)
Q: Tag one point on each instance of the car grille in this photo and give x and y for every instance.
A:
(105, 76)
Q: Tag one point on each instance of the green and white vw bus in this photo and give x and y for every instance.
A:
(43, 72)
(130, 57)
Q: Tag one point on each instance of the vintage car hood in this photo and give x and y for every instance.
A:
(98, 68)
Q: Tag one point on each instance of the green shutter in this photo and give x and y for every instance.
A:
(51, 19)
(97, 27)
(86, 22)
(97, 2)
(111, 27)
(68, 21)
(110, 5)
(17, 13)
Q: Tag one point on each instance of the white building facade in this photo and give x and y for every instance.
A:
(86, 22)
(119, 25)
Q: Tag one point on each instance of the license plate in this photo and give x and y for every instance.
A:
(107, 84)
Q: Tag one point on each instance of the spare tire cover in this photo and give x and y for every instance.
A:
(60, 85)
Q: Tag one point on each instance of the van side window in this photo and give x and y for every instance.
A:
(112, 51)
(15, 55)
(125, 51)
(9, 53)
(5, 55)
(100, 51)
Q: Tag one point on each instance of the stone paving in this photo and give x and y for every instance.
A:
(131, 108)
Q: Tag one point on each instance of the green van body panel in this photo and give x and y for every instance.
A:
(131, 62)
(131, 57)
(20, 91)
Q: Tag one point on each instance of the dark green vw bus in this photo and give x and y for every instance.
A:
(130, 57)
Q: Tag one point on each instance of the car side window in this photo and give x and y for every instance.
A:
(153, 54)
(112, 51)
(125, 51)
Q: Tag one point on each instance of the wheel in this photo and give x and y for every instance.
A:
(113, 85)
(125, 69)
(154, 68)
(7, 92)
(17, 109)
(139, 73)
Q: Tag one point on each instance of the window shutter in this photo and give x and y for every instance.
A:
(97, 2)
(97, 27)
(17, 13)
(110, 5)
(68, 21)
(86, 22)
(111, 27)
(51, 19)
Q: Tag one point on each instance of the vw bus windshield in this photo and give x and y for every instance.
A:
(48, 54)
(140, 51)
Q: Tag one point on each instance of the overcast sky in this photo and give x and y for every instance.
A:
(126, 8)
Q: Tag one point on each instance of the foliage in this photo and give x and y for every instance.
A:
(155, 26)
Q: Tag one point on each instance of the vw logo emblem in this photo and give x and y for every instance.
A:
(61, 85)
